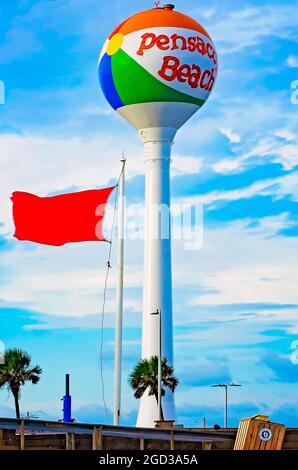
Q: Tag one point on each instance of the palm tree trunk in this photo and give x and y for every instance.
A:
(17, 406)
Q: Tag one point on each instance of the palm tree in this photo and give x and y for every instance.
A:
(145, 376)
(15, 371)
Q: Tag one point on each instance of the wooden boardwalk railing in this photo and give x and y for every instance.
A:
(31, 434)
(52, 435)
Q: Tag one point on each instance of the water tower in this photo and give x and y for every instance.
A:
(156, 69)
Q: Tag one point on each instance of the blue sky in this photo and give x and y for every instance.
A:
(235, 299)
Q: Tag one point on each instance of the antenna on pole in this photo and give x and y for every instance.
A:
(157, 4)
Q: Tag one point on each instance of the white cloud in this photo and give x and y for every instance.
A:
(185, 165)
(292, 61)
(237, 266)
(287, 185)
(262, 148)
(227, 165)
(286, 155)
(66, 281)
(244, 14)
(233, 137)
(278, 187)
(286, 134)
(250, 25)
(208, 13)
(242, 284)
(263, 135)
(270, 226)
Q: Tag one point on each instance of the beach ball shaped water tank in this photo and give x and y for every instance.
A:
(158, 56)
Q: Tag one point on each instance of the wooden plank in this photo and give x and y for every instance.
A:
(241, 435)
(246, 430)
(100, 438)
(206, 445)
(9, 447)
(73, 441)
(70, 441)
(275, 429)
(222, 445)
(172, 440)
(263, 444)
(249, 434)
(67, 441)
(289, 446)
(46, 441)
(254, 435)
(280, 439)
(274, 440)
(246, 434)
(22, 436)
(291, 436)
(269, 444)
(237, 444)
(142, 444)
(94, 438)
(97, 438)
(1, 436)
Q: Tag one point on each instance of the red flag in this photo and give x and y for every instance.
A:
(56, 220)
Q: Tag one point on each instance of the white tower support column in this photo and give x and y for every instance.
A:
(157, 292)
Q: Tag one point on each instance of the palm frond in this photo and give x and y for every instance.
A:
(144, 376)
(16, 371)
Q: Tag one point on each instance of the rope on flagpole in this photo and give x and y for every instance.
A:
(109, 267)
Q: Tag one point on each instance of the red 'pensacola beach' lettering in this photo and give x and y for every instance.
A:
(177, 42)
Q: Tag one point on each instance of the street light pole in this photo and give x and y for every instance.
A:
(159, 404)
(159, 370)
(226, 385)
(226, 407)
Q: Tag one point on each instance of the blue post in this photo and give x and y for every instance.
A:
(67, 402)
(67, 409)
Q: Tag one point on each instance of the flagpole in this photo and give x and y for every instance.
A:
(119, 298)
